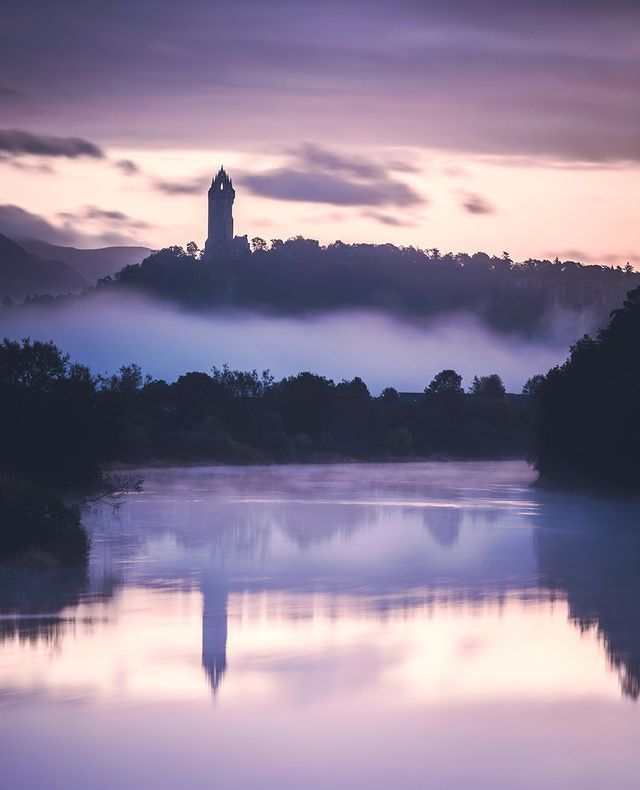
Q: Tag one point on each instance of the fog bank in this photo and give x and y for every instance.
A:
(107, 330)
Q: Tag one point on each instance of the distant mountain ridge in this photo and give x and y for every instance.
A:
(22, 273)
(91, 264)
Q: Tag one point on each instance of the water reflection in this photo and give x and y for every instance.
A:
(214, 631)
(358, 592)
(32, 602)
(444, 525)
(589, 551)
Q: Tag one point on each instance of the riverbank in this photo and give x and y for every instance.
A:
(38, 529)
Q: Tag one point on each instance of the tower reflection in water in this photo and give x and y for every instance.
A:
(214, 631)
(411, 555)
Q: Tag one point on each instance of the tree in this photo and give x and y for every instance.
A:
(241, 383)
(446, 383)
(532, 385)
(304, 401)
(352, 414)
(588, 434)
(389, 396)
(195, 396)
(127, 380)
(193, 250)
(489, 387)
(51, 431)
(258, 244)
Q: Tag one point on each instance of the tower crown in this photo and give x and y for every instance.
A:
(221, 182)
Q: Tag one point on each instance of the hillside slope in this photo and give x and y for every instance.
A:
(22, 273)
(90, 264)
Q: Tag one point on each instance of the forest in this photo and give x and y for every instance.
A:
(67, 426)
(588, 431)
(300, 276)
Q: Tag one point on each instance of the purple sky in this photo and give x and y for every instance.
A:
(464, 124)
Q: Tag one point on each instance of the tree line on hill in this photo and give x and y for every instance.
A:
(300, 275)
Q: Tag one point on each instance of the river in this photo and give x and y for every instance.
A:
(414, 625)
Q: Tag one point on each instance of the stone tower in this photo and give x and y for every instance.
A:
(221, 197)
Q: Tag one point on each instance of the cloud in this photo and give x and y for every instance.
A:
(127, 167)
(389, 219)
(191, 186)
(572, 254)
(93, 212)
(88, 227)
(10, 94)
(335, 217)
(310, 156)
(17, 142)
(42, 168)
(476, 204)
(263, 222)
(538, 162)
(608, 259)
(453, 171)
(314, 174)
(97, 213)
(620, 259)
(551, 78)
(317, 187)
(17, 223)
(403, 167)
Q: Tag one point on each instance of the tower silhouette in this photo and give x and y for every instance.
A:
(220, 227)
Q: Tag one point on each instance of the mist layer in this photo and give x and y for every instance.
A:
(105, 332)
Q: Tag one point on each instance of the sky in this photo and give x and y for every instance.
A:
(464, 125)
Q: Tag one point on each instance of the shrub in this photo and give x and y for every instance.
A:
(35, 521)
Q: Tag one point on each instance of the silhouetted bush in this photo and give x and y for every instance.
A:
(36, 522)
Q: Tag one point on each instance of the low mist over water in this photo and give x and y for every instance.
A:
(106, 331)
(352, 626)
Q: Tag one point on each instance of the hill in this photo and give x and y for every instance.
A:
(297, 276)
(90, 264)
(22, 273)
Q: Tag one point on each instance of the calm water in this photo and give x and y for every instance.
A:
(353, 626)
